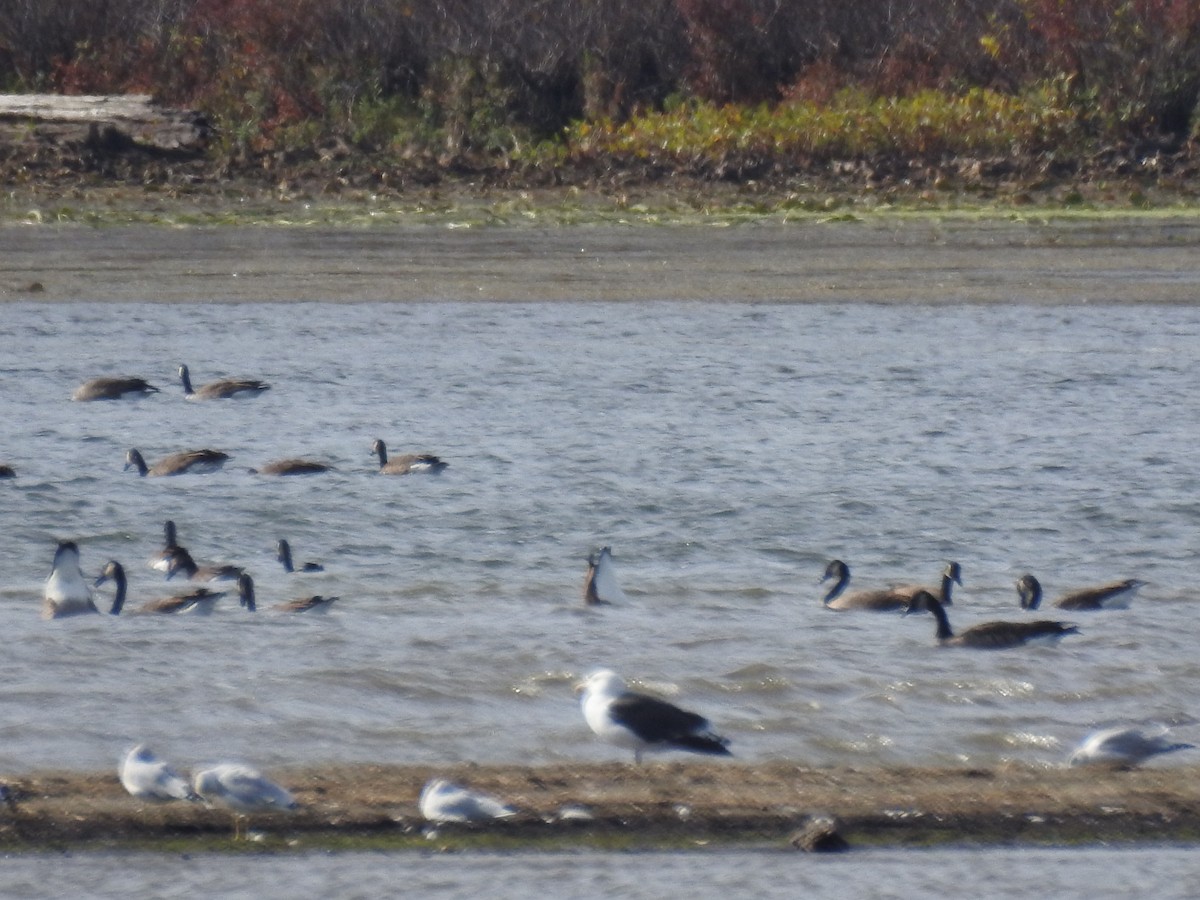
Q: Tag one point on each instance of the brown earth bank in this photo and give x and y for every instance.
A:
(659, 805)
(43, 168)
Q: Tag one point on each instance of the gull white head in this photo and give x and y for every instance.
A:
(1123, 747)
(147, 777)
(443, 801)
(242, 789)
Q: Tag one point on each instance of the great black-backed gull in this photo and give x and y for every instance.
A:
(147, 777)
(243, 790)
(642, 723)
(443, 801)
(1123, 747)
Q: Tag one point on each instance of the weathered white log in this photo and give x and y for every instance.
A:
(132, 117)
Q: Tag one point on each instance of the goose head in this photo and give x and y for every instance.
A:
(113, 571)
(840, 573)
(1029, 591)
(134, 460)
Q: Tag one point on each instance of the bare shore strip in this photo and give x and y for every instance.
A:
(927, 260)
(672, 804)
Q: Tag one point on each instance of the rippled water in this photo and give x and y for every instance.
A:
(725, 451)
(1166, 872)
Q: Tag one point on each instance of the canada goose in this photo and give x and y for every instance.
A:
(293, 467)
(7, 471)
(181, 561)
(66, 592)
(600, 586)
(1123, 748)
(243, 790)
(222, 389)
(161, 561)
(113, 389)
(409, 463)
(1117, 595)
(187, 462)
(642, 723)
(314, 604)
(889, 599)
(198, 602)
(283, 553)
(147, 777)
(990, 635)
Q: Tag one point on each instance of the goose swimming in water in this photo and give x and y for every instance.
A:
(1117, 595)
(408, 463)
(222, 389)
(187, 462)
(293, 467)
(1123, 748)
(66, 592)
(242, 789)
(198, 602)
(283, 553)
(7, 471)
(990, 635)
(181, 561)
(642, 723)
(313, 604)
(889, 599)
(161, 561)
(113, 389)
(600, 586)
(147, 777)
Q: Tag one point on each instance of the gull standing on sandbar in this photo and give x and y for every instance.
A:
(642, 723)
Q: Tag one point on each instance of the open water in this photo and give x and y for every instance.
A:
(726, 452)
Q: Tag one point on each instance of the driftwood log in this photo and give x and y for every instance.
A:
(110, 123)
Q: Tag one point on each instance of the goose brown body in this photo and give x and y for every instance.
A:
(990, 635)
(186, 462)
(116, 388)
(1114, 595)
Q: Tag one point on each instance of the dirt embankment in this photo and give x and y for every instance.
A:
(667, 804)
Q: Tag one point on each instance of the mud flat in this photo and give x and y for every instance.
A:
(459, 257)
(670, 805)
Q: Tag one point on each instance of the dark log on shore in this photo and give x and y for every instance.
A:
(111, 123)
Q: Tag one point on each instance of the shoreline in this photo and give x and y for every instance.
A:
(877, 259)
(673, 805)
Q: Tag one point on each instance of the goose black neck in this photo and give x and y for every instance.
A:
(944, 632)
(843, 576)
(381, 449)
(285, 556)
(135, 458)
(246, 590)
(186, 378)
(118, 577)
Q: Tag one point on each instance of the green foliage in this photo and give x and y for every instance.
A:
(927, 124)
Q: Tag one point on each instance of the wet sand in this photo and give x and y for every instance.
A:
(675, 804)
(878, 259)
